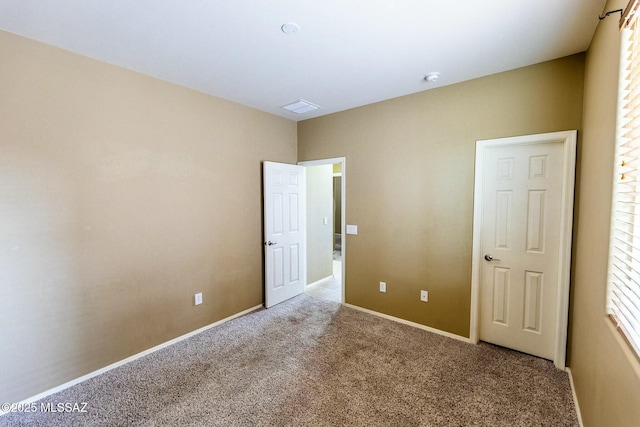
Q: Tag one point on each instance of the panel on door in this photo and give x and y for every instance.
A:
(284, 231)
(520, 241)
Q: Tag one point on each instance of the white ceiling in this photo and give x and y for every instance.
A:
(347, 53)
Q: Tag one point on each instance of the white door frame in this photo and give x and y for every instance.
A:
(343, 161)
(569, 139)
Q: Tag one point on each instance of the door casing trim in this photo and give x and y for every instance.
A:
(569, 140)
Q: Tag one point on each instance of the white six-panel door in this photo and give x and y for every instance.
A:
(284, 231)
(523, 217)
(520, 243)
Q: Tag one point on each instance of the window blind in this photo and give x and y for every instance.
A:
(623, 288)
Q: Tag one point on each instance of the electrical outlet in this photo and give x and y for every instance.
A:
(198, 298)
(383, 287)
(424, 296)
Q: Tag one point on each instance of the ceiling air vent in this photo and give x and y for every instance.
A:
(300, 107)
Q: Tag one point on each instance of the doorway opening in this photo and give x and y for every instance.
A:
(325, 228)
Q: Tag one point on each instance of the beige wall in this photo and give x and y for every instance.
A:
(337, 202)
(121, 196)
(319, 234)
(410, 181)
(607, 378)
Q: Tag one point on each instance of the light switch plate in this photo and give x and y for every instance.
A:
(352, 229)
(198, 298)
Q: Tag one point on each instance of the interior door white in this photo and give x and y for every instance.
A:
(284, 231)
(520, 243)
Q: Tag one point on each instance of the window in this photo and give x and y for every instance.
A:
(623, 287)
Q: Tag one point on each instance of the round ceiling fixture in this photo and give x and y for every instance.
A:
(290, 28)
(432, 77)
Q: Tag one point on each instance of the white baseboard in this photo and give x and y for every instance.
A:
(130, 359)
(575, 396)
(407, 322)
(320, 281)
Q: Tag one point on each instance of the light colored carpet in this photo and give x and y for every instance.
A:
(310, 362)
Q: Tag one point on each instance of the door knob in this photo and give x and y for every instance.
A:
(488, 257)
(270, 243)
